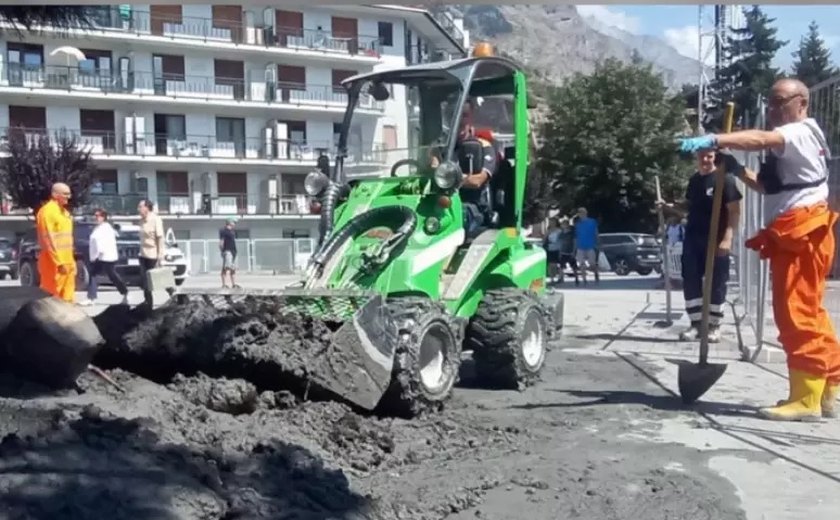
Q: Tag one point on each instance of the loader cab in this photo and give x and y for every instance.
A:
(434, 96)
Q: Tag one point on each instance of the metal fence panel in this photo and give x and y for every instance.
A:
(196, 251)
(275, 255)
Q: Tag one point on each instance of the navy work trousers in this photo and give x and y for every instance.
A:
(693, 269)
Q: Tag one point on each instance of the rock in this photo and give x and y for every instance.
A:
(50, 341)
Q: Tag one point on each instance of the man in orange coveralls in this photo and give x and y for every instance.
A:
(799, 241)
(56, 262)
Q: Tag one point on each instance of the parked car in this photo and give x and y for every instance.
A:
(128, 265)
(8, 260)
(628, 252)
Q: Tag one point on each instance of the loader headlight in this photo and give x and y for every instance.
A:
(315, 183)
(432, 225)
(448, 176)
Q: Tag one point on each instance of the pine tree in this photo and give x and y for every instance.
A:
(748, 73)
(813, 59)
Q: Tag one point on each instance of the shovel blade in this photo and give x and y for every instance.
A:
(695, 379)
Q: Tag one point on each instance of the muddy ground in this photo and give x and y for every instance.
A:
(200, 447)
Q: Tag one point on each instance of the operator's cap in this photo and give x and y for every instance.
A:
(231, 220)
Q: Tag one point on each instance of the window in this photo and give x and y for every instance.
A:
(169, 67)
(340, 75)
(229, 73)
(296, 131)
(181, 234)
(296, 233)
(230, 132)
(163, 15)
(386, 34)
(173, 183)
(99, 125)
(291, 77)
(289, 27)
(293, 185)
(228, 17)
(105, 182)
(96, 61)
(336, 133)
(168, 130)
(28, 117)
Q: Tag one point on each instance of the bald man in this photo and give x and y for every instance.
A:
(798, 241)
(56, 261)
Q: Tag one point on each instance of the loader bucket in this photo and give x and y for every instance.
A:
(354, 360)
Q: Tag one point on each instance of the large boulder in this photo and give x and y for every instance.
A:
(12, 299)
(49, 341)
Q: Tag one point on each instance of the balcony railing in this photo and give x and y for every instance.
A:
(198, 204)
(181, 86)
(186, 28)
(195, 146)
(449, 26)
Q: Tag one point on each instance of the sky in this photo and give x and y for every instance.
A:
(677, 24)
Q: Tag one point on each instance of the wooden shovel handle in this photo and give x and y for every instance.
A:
(712, 244)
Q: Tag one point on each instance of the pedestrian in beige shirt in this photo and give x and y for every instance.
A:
(152, 244)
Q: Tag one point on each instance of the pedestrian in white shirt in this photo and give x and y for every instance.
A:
(103, 257)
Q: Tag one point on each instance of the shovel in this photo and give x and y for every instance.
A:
(694, 380)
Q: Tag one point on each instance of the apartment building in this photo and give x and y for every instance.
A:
(216, 110)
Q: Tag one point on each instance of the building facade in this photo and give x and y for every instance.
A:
(215, 110)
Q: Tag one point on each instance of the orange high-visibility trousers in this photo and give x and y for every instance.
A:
(800, 245)
(59, 285)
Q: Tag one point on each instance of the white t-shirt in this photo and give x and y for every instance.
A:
(103, 243)
(802, 160)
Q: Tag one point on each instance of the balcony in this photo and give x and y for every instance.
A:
(117, 146)
(196, 204)
(448, 25)
(112, 21)
(182, 87)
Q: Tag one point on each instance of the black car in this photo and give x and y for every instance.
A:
(628, 252)
(8, 260)
(127, 265)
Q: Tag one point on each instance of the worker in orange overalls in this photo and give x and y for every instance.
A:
(799, 241)
(56, 261)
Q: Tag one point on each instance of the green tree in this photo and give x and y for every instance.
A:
(32, 163)
(30, 16)
(749, 73)
(607, 135)
(813, 59)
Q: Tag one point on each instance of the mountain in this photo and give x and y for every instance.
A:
(556, 42)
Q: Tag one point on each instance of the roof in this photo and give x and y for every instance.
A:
(430, 25)
(433, 67)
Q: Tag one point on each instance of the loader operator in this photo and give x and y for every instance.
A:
(799, 242)
(475, 188)
(56, 261)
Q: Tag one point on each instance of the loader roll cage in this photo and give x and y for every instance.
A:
(437, 93)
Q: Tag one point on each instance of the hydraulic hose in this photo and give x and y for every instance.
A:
(332, 195)
(362, 222)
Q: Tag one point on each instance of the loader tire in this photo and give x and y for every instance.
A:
(426, 360)
(509, 338)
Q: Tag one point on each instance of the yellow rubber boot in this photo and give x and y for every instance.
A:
(829, 401)
(806, 393)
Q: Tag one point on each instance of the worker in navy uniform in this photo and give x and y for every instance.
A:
(698, 202)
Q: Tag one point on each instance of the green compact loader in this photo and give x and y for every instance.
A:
(402, 286)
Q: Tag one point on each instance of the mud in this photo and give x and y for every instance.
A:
(255, 340)
(191, 444)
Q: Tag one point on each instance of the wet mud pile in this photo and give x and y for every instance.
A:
(205, 448)
(253, 340)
